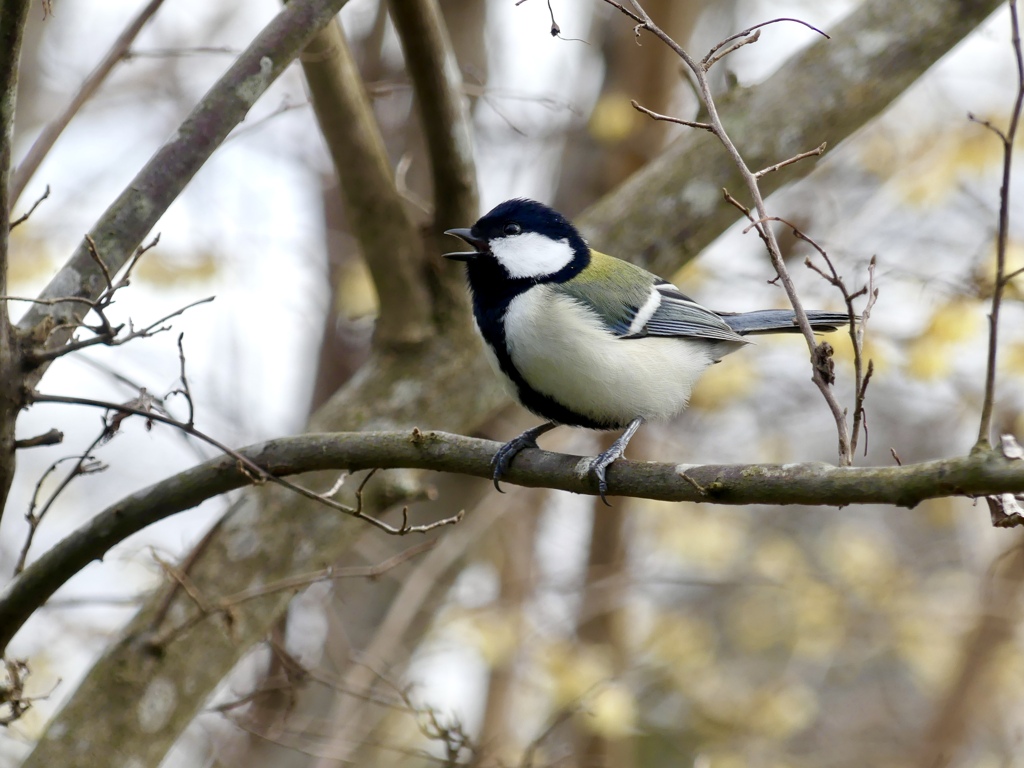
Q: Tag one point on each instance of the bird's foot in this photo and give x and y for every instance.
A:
(600, 463)
(503, 458)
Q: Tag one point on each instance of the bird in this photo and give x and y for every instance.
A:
(584, 339)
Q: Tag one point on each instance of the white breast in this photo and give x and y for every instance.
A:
(561, 349)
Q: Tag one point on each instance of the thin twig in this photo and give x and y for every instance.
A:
(256, 473)
(669, 118)
(818, 152)
(819, 373)
(224, 605)
(50, 437)
(85, 464)
(24, 217)
(106, 334)
(184, 390)
(985, 426)
(709, 60)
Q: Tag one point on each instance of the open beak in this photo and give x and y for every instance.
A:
(467, 235)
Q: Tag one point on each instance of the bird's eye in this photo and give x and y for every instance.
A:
(512, 229)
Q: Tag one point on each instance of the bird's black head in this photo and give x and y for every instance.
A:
(522, 240)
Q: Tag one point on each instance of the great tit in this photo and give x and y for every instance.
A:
(587, 340)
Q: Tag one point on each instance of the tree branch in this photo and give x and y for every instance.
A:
(980, 474)
(13, 15)
(126, 222)
(388, 237)
(663, 216)
(49, 135)
(437, 81)
(985, 427)
(817, 353)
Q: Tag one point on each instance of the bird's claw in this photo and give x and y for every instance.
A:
(503, 458)
(598, 466)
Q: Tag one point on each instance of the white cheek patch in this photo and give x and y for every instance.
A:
(531, 254)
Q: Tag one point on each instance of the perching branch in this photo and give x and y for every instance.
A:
(1007, 138)
(660, 217)
(49, 135)
(980, 474)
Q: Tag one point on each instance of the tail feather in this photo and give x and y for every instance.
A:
(782, 321)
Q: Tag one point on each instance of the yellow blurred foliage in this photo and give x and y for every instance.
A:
(759, 621)
(927, 171)
(158, 268)
(613, 119)
(681, 642)
(931, 356)
(691, 275)
(31, 258)
(493, 633)
(610, 712)
(842, 347)
(929, 362)
(986, 276)
(356, 294)
(929, 653)
(861, 560)
(784, 711)
(820, 614)
(779, 558)
(575, 670)
(1007, 671)
(723, 383)
(954, 322)
(1013, 358)
(707, 539)
(721, 759)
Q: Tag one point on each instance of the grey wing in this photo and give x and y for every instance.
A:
(671, 313)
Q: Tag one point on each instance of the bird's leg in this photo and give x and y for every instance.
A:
(600, 463)
(503, 458)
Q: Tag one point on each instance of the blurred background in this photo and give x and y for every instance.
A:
(544, 629)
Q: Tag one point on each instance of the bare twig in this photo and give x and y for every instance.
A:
(1007, 138)
(669, 118)
(745, 37)
(184, 390)
(856, 328)
(128, 220)
(256, 473)
(818, 152)
(224, 605)
(85, 464)
(107, 334)
(50, 437)
(819, 375)
(25, 216)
